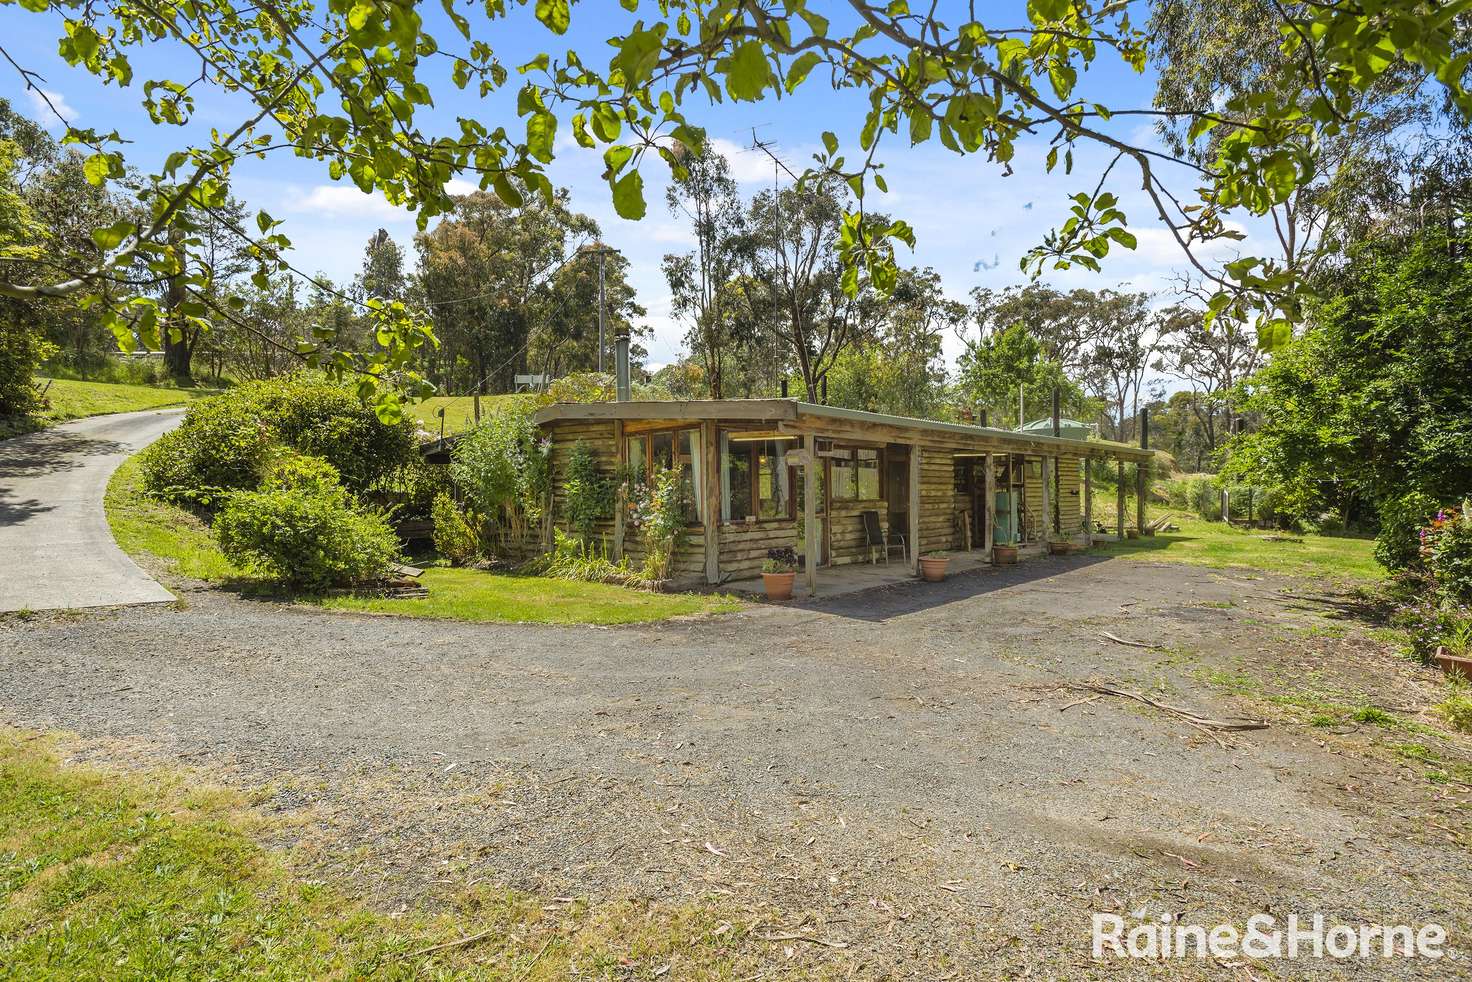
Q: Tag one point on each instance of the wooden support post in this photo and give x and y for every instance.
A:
(989, 507)
(810, 512)
(1049, 463)
(1120, 527)
(620, 501)
(1142, 472)
(710, 466)
(1088, 503)
(915, 508)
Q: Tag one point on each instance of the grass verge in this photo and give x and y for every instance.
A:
(145, 525)
(149, 877)
(72, 399)
(1344, 559)
(459, 411)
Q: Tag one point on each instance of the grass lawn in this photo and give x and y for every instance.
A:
(70, 399)
(150, 876)
(1343, 559)
(144, 525)
(459, 411)
(73, 400)
(472, 595)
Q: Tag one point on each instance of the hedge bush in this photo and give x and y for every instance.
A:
(225, 443)
(1448, 543)
(304, 537)
(454, 537)
(1398, 543)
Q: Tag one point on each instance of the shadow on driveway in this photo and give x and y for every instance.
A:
(911, 596)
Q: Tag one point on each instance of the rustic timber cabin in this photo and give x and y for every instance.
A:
(760, 472)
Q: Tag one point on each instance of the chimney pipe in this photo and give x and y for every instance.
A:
(621, 365)
(784, 388)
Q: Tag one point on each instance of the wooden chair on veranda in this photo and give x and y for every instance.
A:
(881, 541)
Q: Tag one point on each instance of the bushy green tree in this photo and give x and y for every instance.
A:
(1373, 403)
(991, 371)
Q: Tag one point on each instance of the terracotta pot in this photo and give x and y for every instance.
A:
(1004, 555)
(779, 585)
(934, 570)
(1060, 548)
(1453, 663)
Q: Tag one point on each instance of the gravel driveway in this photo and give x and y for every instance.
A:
(900, 772)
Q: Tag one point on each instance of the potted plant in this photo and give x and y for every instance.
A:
(933, 566)
(1004, 555)
(779, 571)
(1060, 547)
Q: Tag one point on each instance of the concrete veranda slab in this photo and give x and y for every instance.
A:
(57, 549)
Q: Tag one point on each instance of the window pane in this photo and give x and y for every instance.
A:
(773, 494)
(637, 446)
(867, 474)
(691, 473)
(845, 480)
(735, 479)
(664, 450)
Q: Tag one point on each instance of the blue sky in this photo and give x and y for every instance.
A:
(963, 209)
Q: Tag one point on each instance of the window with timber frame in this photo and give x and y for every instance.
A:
(672, 449)
(756, 481)
(857, 474)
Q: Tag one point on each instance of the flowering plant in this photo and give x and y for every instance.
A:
(783, 560)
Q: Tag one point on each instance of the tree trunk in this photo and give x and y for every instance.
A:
(177, 352)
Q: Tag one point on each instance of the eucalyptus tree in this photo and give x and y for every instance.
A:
(706, 195)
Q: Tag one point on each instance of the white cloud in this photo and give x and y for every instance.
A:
(47, 113)
(748, 165)
(458, 185)
(345, 201)
(672, 234)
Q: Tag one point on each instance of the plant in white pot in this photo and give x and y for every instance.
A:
(779, 571)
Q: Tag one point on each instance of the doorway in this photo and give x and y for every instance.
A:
(897, 487)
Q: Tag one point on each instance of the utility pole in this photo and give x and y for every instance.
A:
(602, 311)
(601, 251)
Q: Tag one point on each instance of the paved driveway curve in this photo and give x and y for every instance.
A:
(55, 546)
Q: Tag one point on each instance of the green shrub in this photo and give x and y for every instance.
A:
(587, 493)
(572, 559)
(226, 441)
(305, 538)
(1456, 708)
(315, 416)
(1448, 542)
(221, 445)
(660, 513)
(22, 349)
(1199, 495)
(1398, 543)
(291, 471)
(503, 467)
(454, 537)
